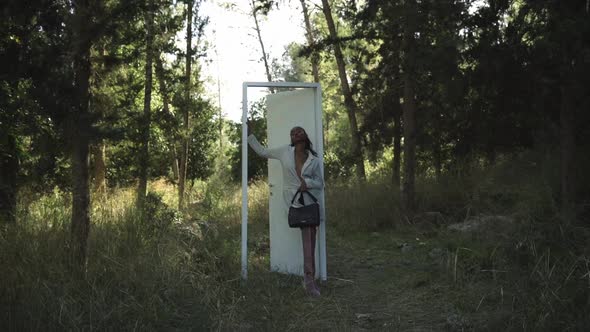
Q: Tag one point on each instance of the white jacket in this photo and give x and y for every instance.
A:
(311, 171)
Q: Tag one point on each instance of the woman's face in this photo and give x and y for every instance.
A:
(298, 135)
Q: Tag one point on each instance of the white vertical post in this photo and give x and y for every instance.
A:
(320, 147)
(244, 182)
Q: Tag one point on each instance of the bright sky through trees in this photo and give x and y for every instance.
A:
(234, 56)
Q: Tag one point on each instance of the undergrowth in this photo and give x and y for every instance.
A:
(142, 273)
(160, 269)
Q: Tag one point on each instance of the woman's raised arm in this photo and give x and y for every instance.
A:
(262, 151)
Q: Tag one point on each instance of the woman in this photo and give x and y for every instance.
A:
(301, 171)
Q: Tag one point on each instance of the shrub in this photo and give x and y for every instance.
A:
(156, 215)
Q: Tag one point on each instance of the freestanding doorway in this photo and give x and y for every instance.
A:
(299, 107)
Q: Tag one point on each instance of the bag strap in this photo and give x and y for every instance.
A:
(315, 200)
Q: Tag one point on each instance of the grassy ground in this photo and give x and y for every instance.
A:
(375, 285)
(390, 272)
(383, 281)
(163, 270)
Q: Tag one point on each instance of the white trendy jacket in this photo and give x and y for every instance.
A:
(311, 171)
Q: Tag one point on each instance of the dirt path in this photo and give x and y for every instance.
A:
(389, 282)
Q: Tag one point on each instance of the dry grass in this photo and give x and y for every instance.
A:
(166, 271)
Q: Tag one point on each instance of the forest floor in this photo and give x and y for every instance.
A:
(158, 270)
(392, 281)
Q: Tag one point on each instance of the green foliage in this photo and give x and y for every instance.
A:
(132, 281)
(257, 166)
(122, 168)
(34, 96)
(295, 68)
(525, 254)
(335, 167)
(157, 216)
(491, 80)
(161, 271)
(202, 139)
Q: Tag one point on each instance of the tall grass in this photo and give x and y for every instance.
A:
(537, 264)
(156, 269)
(536, 261)
(160, 269)
(134, 280)
(367, 207)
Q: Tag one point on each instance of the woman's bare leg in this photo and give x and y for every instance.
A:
(308, 235)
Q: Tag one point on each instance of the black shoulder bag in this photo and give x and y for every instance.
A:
(306, 215)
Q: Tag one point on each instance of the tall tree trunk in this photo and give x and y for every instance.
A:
(175, 162)
(437, 158)
(8, 177)
(80, 196)
(567, 143)
(185, 139)
(349, 102)
(147, 104)
(566, 133)
(98, 149)
(166, 108)
(408, 191)
(263, 50)
(437, 153)
(409, 115)
(327, 133)
(315, 61)
(100, 168)
(219, 105)
(80, 126)
(397, 138)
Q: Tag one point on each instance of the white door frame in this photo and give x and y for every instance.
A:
(320, 150)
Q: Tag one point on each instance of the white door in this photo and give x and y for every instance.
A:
(286, 110)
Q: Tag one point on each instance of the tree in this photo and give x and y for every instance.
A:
(185, 141)
(79, 120)
(26, 108)
(409, 107)
(9, 174)
(565, 30)
(85, 29)
(145, 124)
(166, 115)
(98, 150)
(257, 166)
(255, 9)
(188, 101)
(349, 101)
(309, 35)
